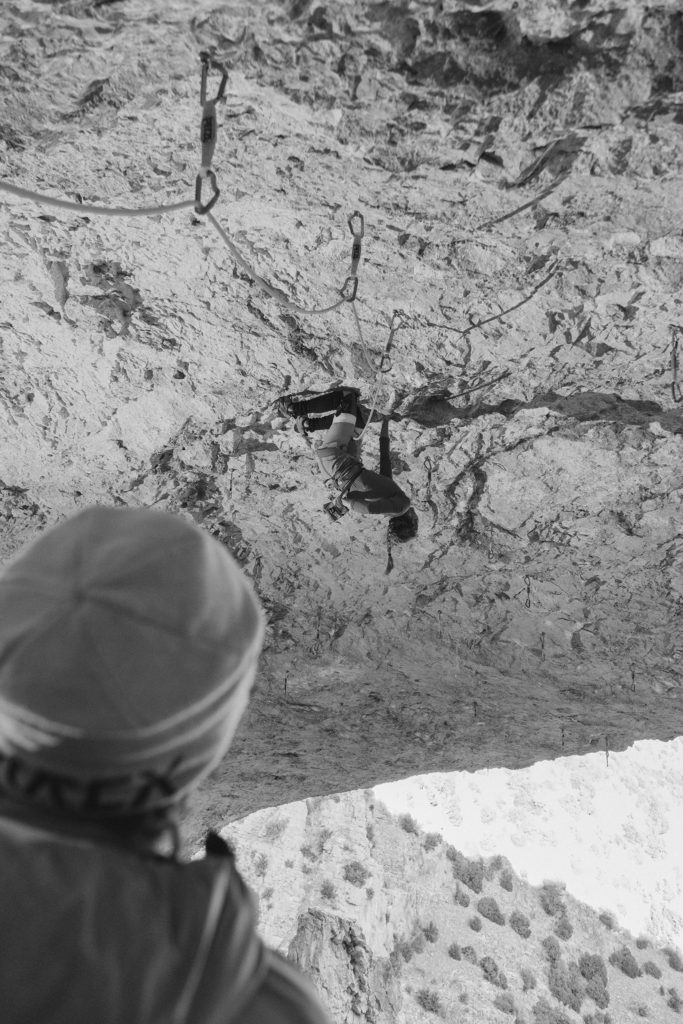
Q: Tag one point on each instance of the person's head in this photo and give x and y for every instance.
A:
(128, 646)
(404, 527)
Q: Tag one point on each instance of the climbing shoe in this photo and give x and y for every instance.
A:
(302, 425)
(286, 406)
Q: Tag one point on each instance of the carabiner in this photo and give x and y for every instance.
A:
(357, 233)
(200, 207)
(207, 62)
(354, 289)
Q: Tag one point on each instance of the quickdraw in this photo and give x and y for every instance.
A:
(676, 392)
(349, 289)
(208, 133)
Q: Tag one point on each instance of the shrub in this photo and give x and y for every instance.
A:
(492, 973)
(475, 923)
(429, 1000)
(404, 949)
(551, 948)
(469, 872)
(323, 836)
(563, 929)
(551, 898)
(641, 1010)
(355, 873)
(430, 932)
(461, 897)
(504, 1002)
(267, 894)
(592, 965)
(469, 954)
(652, 969)
(408, 824)
(369, 892)
(520, 924)
(596, 989)
(309, 853)
(626, 962)
(261, 865)
(641, 942)
(489, 909)
(674, 959)
(327, 890)
(274, 829)
(370, 833)
(506, 880)
(607, 920)
(528, 979)
(674, 1001)
(544, 1013)
(566, 984)
(454, 951)
(417, 943)
(432, 840)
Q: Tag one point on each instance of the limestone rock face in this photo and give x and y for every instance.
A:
(518, 166)
(355, 985)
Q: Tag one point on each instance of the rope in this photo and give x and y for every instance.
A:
(269, 289)
(85, 209)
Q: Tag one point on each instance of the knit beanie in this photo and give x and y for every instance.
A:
(128, 647)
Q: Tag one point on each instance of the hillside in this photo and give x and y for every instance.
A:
(396, 926)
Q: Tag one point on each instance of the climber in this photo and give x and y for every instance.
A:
(128, 646)
(340, 414)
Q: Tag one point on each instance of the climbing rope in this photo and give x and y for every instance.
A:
(87, 210)
(676, 392)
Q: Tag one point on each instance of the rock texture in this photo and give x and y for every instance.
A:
(519, 169)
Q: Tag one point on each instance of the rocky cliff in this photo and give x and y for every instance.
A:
(518, 165)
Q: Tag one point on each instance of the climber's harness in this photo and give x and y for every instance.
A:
(335, 507)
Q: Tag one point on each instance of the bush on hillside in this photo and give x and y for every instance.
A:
(355, 873)
(370, 833)
(520, 924)
(596, 990)
(454, 951)
(504, 1002)
(274, 829)
(528, 979)
(626, 962)
(551, 948)
(461, 897)
(469, 954)
(505, 880)
(550, 898)
(408, 824)
(430, 931)
(492, 973)
(469, 872)
(642, 1010)
(607, 920)
(369, 892)
(563, 929)
(592, 965)
(489, 909)
(641, 942)
(674, 958)
(418, 943)
(652, 969)
(674, 1002)
(327, 890)
(544, 1013)
(404, 949)
(432, 840)
(261, 865)
(323, 836)
(566, 984)
(429, 1000)
(475, 923)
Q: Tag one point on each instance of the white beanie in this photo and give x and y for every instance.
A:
(128, 647)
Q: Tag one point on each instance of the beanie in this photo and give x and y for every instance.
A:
(128, 647)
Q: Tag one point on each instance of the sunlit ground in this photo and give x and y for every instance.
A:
(613, 833)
